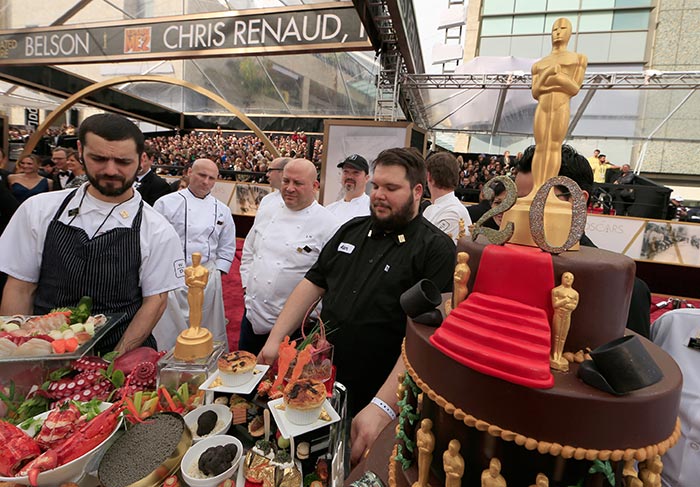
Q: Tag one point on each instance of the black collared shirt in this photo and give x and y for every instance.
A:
(364, 272)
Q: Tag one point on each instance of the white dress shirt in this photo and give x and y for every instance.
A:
(445, 213)
(204, 225)
(347, 210)
(277, 253)
(162, 263)
(672, 332)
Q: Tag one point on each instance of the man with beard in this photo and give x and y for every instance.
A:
(361, 272)
(354, 178)
(98, 240)
(205, 225)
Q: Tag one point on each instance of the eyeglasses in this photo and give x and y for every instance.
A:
(274, 169)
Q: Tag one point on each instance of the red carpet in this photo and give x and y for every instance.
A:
(233, 298)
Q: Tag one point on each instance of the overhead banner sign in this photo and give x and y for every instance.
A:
(285, 30)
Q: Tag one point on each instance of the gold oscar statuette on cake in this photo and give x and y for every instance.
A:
(462, 229)
(564, 302)
(629, 474)
(460, 278)
(650, 471)
(195, 342)
(453, 464)
(491, 477)
(541, 481)
(555, 79)
(425, 442)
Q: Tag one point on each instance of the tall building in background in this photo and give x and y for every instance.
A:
(617, 36)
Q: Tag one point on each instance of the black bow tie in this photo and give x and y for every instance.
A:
(63, 173)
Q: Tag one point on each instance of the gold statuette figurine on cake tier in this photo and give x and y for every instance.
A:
(555, 79)
(541, 481)
(195, 342)
(453, 464)
(629, 474)
(462, 229)
(564, 301)
(491, 477)
(461, 278)
(425, 441)
(650, 472)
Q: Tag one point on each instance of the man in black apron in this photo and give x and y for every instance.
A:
(98, 240)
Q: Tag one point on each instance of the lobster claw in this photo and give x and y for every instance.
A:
(17, 448)
(46, 461)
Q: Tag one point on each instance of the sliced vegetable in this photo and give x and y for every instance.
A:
(77, 328)
(72, 344)
(59, 346)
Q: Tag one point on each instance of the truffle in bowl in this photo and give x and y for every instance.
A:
(211, 461)
(210, 420)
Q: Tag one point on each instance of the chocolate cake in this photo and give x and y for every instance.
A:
(563, 428)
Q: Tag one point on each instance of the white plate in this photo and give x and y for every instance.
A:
(246, 388)
(288, 429)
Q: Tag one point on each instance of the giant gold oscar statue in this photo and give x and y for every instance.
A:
(195, 342)
(555, 79)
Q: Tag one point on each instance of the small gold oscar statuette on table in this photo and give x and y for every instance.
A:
(564, 302)
(195, 342)
(453, 464)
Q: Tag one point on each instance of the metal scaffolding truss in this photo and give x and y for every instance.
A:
(494, 81)
(468, 87)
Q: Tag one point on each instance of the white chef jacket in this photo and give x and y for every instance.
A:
(270, 202)
(277, 253)
(162, 261)
(204, 225)
(672, 332)
(445, 213)
(347, 210)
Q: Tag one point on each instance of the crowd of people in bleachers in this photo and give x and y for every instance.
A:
(233, 152)
(476, 170)
(22, 133)
(229, 150)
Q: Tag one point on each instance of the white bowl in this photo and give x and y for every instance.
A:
(229, 379)
(72, 470)
(224, 420)
(192, 457)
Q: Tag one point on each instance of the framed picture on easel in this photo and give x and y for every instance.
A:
(367, 138)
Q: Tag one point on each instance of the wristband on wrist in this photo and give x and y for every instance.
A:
(384, 407)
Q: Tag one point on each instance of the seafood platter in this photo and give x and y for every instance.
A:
(109, 421)
(54, 336)
(65, 442)
(33, 346)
